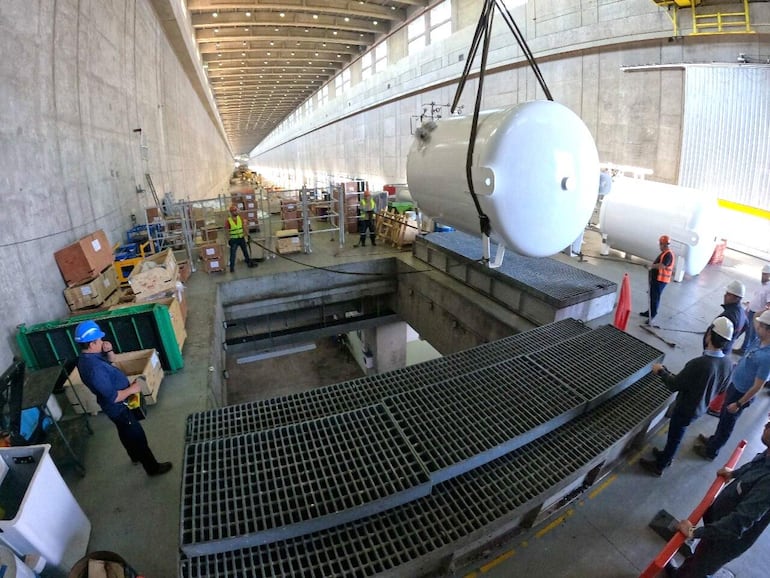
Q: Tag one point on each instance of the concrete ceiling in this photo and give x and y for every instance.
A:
(264, 58)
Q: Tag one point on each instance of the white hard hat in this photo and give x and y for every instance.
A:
(766, 270)
(764, 319)
(736, 288)
(723, 327)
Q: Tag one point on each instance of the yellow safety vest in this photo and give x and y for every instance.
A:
(364, 209)
(236, 227)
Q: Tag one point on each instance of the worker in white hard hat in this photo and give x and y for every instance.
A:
(751, 373)
(701, 379)
(760, 301)
(734, 311)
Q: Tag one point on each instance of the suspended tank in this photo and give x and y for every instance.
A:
(636, 212)
(535, 171)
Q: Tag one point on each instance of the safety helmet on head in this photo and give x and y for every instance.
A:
(764, 319)
(723, 327)
(88, 331)
(766, 270)
(664, 239)
(736, 288)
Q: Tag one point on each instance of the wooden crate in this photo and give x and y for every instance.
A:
(94, 293)
(133, 363)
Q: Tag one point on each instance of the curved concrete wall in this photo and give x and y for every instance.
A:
(76, 79)
(581, 47)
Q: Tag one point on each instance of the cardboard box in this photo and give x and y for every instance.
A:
(210, 251)
(287, 241)
(213, 265)
(133, 363)
(94, 293)
(155, 276)
(184, 271)
(85, 259)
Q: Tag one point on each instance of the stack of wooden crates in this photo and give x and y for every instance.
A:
(87, 270)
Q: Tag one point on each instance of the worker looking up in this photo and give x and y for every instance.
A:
(751, 373)
(759, 302)
(111, 388)
(236, 238)
(659, 276)
(701, 379)
(733, 310)
(366, 210)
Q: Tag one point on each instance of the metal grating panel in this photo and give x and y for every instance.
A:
(556, 283)
(393, 540)
(347, 396)
(274, 485)
(480, 416)
(604, 361)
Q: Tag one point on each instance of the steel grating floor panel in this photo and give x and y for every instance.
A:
(274, 485)
(350, 395)
(391, 542)
(555, 282)
(604, 361)
(480, 416)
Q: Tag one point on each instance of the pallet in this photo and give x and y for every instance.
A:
(395, 229)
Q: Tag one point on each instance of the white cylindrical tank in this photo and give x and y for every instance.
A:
(535, 171)
(637, 212)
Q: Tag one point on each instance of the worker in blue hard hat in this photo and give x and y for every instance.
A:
(112, 389)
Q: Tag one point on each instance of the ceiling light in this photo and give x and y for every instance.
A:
(265, 61)
(374, 22)
(220, 64)
(275, 29)
(268, 53)
(282, 15)
(215, 14)
(248, 14)
(244, 43)
(243, 54)
(216, 30)
(292, 54)
(347, 19)
(272, 43)
(306, 30)
(339, 56)
(334, 32)
(219, 55)
(316, 54)
(315, 16)
(246, 29)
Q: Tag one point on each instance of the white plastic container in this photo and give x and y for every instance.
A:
(637, 212)
(535, 172)
(12, 567)
(41, 516)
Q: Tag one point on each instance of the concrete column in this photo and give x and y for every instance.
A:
(387, 344)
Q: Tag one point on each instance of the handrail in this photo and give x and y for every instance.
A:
(677, 540)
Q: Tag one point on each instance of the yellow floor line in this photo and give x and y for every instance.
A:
(601, 487)
(499, 560)
(557, 522)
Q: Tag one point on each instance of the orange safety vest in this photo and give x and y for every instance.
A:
(665, 272)
(236, 227)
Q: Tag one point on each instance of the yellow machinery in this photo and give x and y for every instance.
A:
(128, 258)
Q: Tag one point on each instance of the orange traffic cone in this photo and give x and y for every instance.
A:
(623, 309)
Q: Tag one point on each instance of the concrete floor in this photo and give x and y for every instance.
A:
(605, 533)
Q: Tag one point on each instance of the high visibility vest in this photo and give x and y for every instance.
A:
(369, 207)
(664, 273)
(236, 227)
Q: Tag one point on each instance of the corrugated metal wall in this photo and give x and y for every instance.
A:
(726, 140)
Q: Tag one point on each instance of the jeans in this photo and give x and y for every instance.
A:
(727, 422)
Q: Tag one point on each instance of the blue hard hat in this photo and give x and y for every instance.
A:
(88, 331)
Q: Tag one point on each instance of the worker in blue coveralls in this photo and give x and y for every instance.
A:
(112, 389)
(738, 516)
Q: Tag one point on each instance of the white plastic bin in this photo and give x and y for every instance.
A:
(39, 513)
